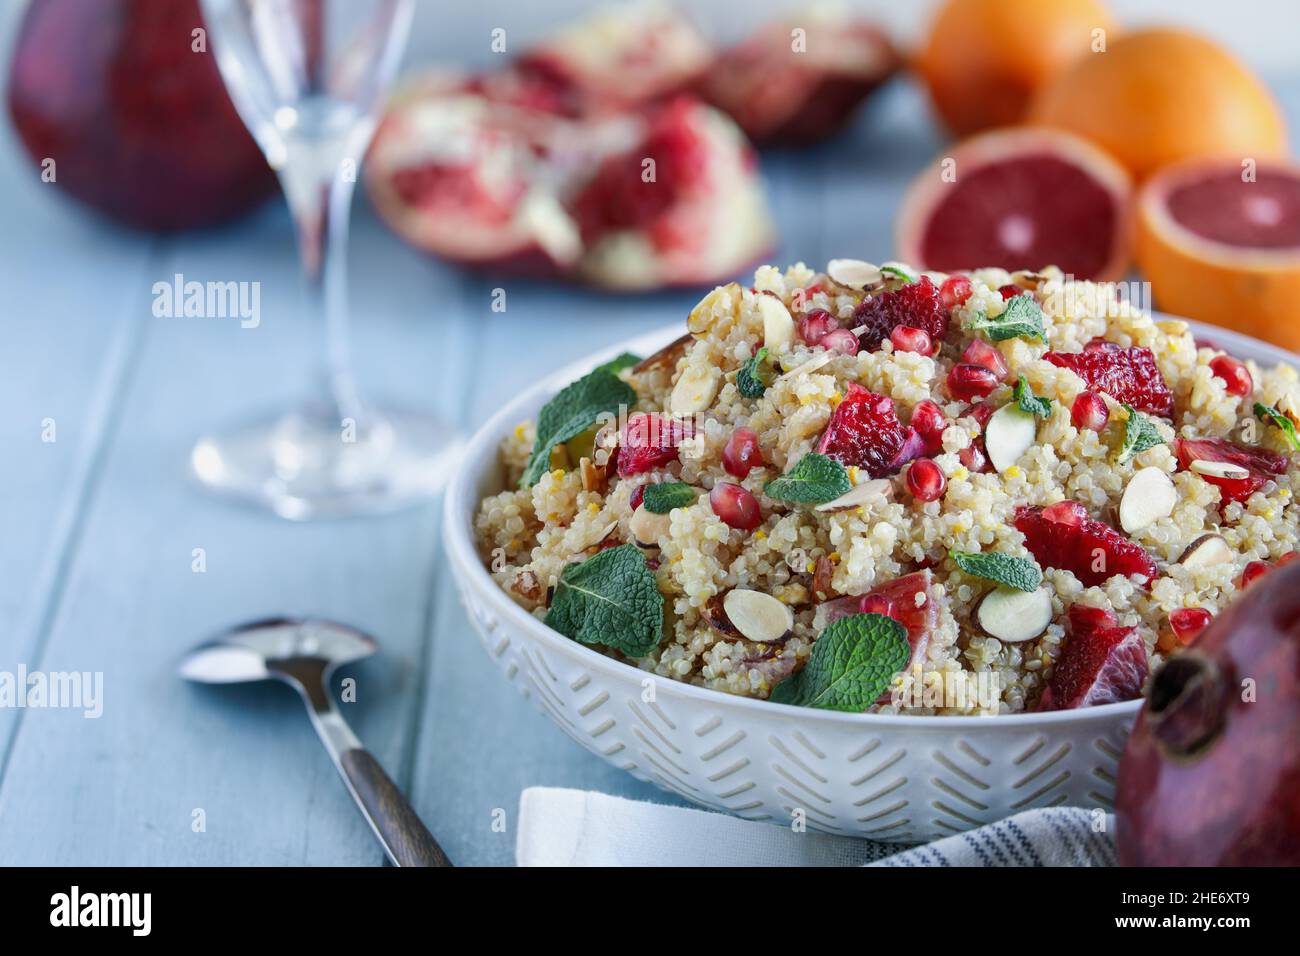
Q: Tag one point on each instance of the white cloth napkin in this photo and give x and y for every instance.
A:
(559, 827)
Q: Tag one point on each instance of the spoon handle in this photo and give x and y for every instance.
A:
(406, 838)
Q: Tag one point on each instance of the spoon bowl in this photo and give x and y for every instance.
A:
(304, 653)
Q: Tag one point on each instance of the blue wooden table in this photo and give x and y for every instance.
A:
(100, 526)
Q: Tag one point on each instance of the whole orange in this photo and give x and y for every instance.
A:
(1161, 96)
(983, 60)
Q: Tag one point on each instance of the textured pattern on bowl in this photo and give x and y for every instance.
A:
(893, 778)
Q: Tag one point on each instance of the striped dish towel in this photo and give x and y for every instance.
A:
(560, 827)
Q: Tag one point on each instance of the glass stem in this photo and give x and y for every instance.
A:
(320, 205)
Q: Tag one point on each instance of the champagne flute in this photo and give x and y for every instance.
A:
(308, 78)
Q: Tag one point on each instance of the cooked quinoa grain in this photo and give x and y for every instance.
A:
(818, 561)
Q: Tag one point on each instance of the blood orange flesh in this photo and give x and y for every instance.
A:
(1021, 199)
(1221, 243)
(1222, 207)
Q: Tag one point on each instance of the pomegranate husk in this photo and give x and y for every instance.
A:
(1208, 777)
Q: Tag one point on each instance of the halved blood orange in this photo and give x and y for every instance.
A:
(1020, 198)
(1220, 242)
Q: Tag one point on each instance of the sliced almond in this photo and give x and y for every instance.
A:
(594, 477)
(1010, 432)
(1219, 469)
(758, 617)
(647, 527)
(724, 298)
(869, 492)
(527, 586)
(1028, 280)
(1014, 616)
(695, 390)
(823, 572)
(778, 325)
(667, 356)
(1206, 551)
(812, 365)
(853, 273)
(1149, 496)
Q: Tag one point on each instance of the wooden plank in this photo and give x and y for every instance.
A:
(129, 782)
(71, 335)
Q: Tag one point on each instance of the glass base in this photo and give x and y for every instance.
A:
(304, 465)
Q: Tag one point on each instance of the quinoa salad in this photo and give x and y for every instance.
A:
(873, 489)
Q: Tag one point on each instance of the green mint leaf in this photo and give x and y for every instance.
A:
(816, 478)
(853, 662)
(572, 411)
(1270, 413)
(755, 375)
(1009, 569)
(610, 599)
(898, 273)
(1029, 402)
(1140, 433)
(618, 363)
(664, 497)
(1022, 318)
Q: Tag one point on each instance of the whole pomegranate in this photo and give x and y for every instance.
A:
(1211, 772)
(135, 120)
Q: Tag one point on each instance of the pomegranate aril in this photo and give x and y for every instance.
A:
(1252, 572)
(983, 354)
(967, 382)
(841, 340)
(907, 339)
(1089, 411)
(1188, 622)
(973, 458)
(1235, 375)
(930, 423)
(981, 412)
(926, 480)
(741, 453)
(736, 506)
(814, 326)
(1009, 291)
(954, 291)
(635, 499)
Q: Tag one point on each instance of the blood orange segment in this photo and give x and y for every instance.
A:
(864, 430)
(1126, 375)
(1090, 550)
(1100, 663)
(910, 600)
(1260, 463)
(917, 305)
(648, 441)
(1221, 243)
(1021, 198)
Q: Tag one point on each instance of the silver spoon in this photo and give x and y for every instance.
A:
(304, 654)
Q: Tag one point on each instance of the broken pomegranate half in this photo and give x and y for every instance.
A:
(625, 202)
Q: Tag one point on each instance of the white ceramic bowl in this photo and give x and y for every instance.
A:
(893, 778)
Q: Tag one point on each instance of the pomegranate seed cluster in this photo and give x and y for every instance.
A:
(859, 439)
